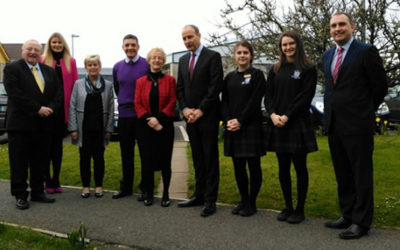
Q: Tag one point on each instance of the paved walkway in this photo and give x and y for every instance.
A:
(130, 223)
(180, 172)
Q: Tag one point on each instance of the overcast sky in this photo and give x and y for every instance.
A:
(101, 24)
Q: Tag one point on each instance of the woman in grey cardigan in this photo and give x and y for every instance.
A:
(91, 122)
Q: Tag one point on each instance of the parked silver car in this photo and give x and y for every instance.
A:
(3, 108)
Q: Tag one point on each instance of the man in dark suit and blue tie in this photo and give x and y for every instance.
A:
(34, 92)
(200, 77)
(355, 87)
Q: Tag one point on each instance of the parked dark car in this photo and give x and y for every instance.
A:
(3, 108)
(383, 114)
(394, 110)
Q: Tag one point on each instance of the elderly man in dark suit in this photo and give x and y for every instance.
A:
(34, 92)
(199, 84)
(355, 86)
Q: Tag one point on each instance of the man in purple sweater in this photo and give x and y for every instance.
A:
(125, 74)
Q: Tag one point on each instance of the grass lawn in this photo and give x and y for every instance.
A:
(322, 196)
(20, 238)
(70, 174)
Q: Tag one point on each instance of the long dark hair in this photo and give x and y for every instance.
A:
(301, 62)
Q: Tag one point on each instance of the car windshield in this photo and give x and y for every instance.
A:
(2, 89)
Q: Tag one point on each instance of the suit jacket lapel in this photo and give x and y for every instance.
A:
(347, 60)
(199, 61)
(328, 64)
(45, 76)
(185, 67)
(349, 56)
(30, 76)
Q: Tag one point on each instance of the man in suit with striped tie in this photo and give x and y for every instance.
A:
(34, 92)
(199, 84)
(355, 87)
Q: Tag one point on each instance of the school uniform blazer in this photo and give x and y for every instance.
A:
(25, 97)
(69, 79)
(166, 93)
(203, 89)
(360, 88)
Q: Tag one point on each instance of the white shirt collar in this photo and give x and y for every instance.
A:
(346, 46)
(135, 59)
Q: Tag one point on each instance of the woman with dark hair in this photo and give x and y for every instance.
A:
(56, 55)
(242, 93)
(290, 88)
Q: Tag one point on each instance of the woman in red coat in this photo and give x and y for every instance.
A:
(155, 100)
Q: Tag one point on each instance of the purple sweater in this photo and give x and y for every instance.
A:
(125, 76)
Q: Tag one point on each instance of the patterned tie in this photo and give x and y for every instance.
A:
(38, 79)
(191, 65)
(337, 65)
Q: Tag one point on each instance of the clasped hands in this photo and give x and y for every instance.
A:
(279, 120)
(45, 111)
(233, 125)
(154, 123)
(192, 115)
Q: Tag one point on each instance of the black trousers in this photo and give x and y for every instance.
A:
(127, 129)
(28, 150)
(92, 147)
(148, 181)
(203, 136)
(52, 180)
(353, 164)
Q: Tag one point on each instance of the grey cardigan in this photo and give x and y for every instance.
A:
(77, 107)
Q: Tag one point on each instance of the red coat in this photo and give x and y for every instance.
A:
(167, 95)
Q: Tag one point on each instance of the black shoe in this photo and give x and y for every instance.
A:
(238, 207)
(99, 195)
(165, 202)
(148, 201)
(284, 214)
(248, 210)
(296, 217)
(353, 232)
(22, 204)
(85, 195)
(208, 209)
(338, 224)
(141, 197)
(42, 198)
(193, 201)
(121, 193)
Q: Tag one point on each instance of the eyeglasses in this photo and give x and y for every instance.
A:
(157, 58)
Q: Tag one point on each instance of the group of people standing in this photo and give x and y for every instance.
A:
(146, 101)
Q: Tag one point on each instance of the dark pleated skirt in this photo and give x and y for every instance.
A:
(297, 136)
(247, 142)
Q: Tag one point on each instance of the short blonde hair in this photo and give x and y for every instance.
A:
(92, 58)
(154, 50)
